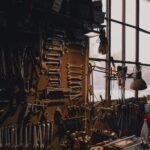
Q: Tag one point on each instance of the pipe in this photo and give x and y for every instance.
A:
(137, 39)
(120, 61)
(108, 97)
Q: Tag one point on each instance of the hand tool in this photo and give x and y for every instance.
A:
(78, 78)
(6, 136)
(16, 137)
(52, 63)
(59, 50)
(71, 72)
(74, 83)
(3, 63)
(21, 136)
(30, 134)
(44, 135)
(52, 55)
(69, 66)
(54, 80)
(26, 137)
(75, 87)
(52, 59)
(9, 136)
(55, 85)
(40, 136)
(35, 141)
(54, 69)
(48, 135)
(1, 143)
(12, 143)
(54, 73)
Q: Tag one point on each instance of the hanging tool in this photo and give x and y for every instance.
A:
(75, 87)
(35, 142)
(54, 69)
(12, 143)
(78, 78)
(57, 63)
(72, 83)
(75, 72)
(26, 137)
(1, 143)
(52, 55)
(16, 137)
(70, 66)
(40, 136)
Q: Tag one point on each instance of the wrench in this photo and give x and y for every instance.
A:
(9, 137)
(16, 137)
(54, 70)
(54, 85)
(54, 80)
(69, 66)
(52, 59)
(74, 73)
(75, 87)
(12, 144)
(74, 83)
(44, 133)
(53, 63)
(21, 136)
(6, 136)
(26, 136)
(52, 55)
(35, 142)
(54, 73)
(79, 78)
(40, 136)
(1, 143)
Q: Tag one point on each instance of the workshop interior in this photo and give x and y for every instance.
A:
(74, 75)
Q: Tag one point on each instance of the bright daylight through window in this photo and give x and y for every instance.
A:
(130, 48)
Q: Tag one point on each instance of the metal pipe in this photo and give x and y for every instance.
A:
(108, 3)
(137, 39)
(123, 46)
(120, 61)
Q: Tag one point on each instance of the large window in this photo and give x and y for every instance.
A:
(130, 45)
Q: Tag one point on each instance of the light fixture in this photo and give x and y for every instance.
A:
(138, 83)
(92, 33)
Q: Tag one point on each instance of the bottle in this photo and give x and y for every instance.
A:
(144, 131)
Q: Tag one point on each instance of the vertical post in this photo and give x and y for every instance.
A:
(123, 46)
(137, 39)
(108, 13)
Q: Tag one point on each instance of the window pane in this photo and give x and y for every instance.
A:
(144, 14)
(116, 41)
(116, 9)
(144, 48)
(130, 11)
(130, 44)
